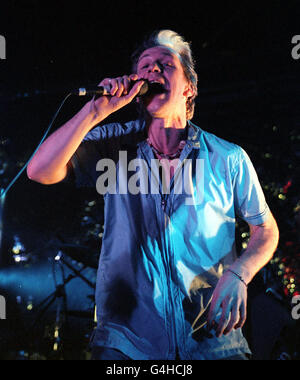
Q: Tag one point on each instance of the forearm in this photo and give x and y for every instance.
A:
(261, 247)
(49, 165)
(230, 295)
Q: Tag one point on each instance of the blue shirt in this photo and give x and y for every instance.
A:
(163, 254)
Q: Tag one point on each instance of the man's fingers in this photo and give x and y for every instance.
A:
(113, 86)
(243, 316)
(234, 319)
(129, 82)
(135, 89)
(122, 86)
(226, 307)
(212, 314)
(134, 77)
(126, 82)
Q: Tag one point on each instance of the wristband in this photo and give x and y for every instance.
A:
(238, 276)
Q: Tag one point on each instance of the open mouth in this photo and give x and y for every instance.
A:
(156, 88)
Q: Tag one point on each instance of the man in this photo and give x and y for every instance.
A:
(169, 283)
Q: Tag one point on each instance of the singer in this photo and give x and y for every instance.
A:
(170, 284)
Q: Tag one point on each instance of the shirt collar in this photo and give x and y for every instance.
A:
(193, 135)
(193, 139)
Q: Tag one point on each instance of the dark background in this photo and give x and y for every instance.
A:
(249, 89)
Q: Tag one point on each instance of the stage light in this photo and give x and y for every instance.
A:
(30, 306)
(58, 256)
(19, 251)
(282, 197)
(17, 248)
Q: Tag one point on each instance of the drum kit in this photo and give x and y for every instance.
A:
(49, 319)
(81, 264)
(57, 318)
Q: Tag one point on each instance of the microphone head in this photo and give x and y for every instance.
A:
(144, 89)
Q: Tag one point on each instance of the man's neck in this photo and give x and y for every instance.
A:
(166, 134)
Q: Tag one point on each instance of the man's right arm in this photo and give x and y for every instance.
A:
(50, 163)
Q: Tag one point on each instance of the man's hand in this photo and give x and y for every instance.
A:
(228, 308)
(120, 94)
(230, 295)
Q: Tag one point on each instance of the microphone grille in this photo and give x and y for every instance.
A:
(144, 89)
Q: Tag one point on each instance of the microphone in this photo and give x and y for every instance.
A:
(146, 89)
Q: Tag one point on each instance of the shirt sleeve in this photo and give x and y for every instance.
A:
(101, 142)
(250, 202)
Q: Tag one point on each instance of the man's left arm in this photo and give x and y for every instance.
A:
(230, 295)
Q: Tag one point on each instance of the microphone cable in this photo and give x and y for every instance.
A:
(3, 192)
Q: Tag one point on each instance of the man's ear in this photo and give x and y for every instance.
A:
(188, 92)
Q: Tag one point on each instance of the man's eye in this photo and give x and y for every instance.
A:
(144, 66)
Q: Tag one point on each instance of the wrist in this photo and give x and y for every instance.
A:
(242, 270)
(238, 276)
(88, 117)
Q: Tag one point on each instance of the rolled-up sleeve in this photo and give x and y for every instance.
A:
(250, 202)
(102, 142)
(84, 163)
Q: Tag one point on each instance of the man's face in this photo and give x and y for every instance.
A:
(159, 64)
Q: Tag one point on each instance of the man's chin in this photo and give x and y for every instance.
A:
(155, 102)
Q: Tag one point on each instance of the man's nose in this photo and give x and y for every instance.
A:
(155, 67)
